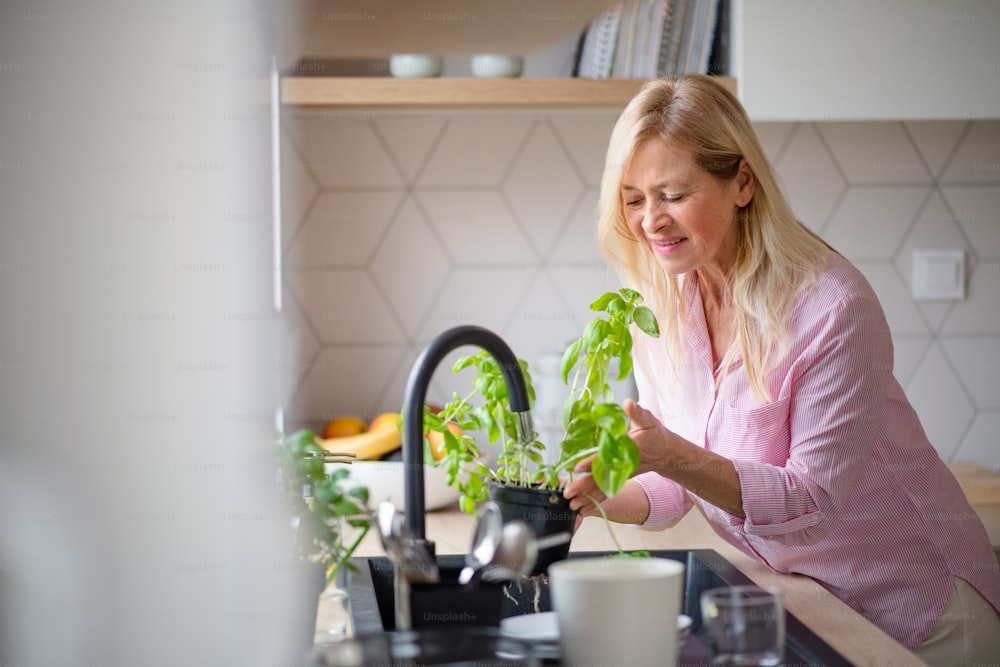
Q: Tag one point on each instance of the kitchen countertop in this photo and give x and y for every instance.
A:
(837, 624)
(982, 490)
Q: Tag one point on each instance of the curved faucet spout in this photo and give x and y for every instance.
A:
(416, 395)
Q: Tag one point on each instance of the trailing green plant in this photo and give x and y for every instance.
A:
(323, 503)
(594, 424)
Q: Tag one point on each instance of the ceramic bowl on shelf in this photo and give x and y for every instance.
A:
(494, 66)
(415, 65)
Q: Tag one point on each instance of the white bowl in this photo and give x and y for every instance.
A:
(492, 66)
(384, 480)
(415, 65)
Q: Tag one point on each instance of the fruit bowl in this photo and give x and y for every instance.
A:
(384, 480)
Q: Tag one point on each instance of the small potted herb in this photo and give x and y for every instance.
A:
(521, 482)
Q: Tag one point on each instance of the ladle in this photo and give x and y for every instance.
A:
(519, 550)
(485, 542)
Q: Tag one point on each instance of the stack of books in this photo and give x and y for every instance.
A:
(641, 39)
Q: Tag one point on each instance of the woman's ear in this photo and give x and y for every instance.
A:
(746, 182)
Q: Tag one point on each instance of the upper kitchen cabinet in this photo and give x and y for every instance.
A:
(865, 60)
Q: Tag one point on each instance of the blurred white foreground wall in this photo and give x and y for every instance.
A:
(139, 354)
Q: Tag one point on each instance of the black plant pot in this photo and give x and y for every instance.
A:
(545, 510)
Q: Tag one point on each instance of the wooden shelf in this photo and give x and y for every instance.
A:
(460, 92)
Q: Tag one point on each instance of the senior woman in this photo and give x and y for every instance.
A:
(770, 402)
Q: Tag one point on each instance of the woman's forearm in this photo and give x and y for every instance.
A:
(705, 474)
(709, 476)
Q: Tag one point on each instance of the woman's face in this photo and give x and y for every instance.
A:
(684, 215)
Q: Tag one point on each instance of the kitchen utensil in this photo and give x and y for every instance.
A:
(388, 531)
(405, 551)
(412, 563)
(485, 542)
(331, 457)
(518, 551)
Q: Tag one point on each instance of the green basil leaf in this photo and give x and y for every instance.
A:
(569, 359)
(601, 302)
(624, 365)
(646, 321)
(481, 383)
(617, 460)
(596, 332)
(463, 363)
(603, 477)
(631, 295)
(451, 443)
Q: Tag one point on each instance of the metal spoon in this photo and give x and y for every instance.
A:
(485, 542)
(403, 550)
(518, 551)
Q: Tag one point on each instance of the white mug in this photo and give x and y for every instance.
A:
(617, 611)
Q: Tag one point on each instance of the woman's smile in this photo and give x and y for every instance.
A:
(667, 246)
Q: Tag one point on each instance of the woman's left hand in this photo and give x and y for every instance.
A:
(650, 436)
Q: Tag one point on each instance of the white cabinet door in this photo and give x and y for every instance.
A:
(867, 59)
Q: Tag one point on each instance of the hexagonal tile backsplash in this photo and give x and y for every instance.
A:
(398, 225)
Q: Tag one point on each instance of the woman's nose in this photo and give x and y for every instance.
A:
(653, 217)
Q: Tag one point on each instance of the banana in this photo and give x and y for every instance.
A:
(365, 446)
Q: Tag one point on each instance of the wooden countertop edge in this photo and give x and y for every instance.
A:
(858, 640)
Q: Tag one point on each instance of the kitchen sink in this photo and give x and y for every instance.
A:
(372, 601)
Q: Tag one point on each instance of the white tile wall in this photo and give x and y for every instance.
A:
(399, 225)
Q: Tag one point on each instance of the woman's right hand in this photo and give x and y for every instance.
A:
(630, 505)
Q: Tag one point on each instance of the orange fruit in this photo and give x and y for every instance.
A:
(436, 441)
(339, 427)
(385, 422)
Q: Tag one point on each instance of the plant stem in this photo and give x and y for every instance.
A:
(334, 569)
(569, 463)
(607, 522)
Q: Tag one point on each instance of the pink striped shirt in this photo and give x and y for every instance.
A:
(838, 479)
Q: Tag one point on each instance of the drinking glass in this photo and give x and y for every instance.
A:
(333, 616)
(744, 625)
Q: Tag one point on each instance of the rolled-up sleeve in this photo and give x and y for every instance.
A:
(838, 391)
(668, 501)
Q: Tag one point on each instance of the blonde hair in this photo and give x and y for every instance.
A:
(777, 255)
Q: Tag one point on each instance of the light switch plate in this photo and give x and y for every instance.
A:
(939, 275)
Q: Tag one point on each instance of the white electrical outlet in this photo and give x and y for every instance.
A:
(939, 275)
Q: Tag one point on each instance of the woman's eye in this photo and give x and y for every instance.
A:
(632, 203)
(672, 199)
